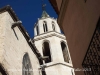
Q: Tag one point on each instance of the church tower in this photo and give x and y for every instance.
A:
(53, 47)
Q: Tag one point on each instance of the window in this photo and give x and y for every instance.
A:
(46, 51)
(45, 26)
(53, 26)
(37, 30)
(27, 68)
(65, 52)
(92, 58)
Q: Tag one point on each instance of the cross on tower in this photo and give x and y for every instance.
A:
(43, 5)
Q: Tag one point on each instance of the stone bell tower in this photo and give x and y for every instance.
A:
(53, 46)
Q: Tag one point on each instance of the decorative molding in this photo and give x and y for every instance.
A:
(49, 35)
(53, 64)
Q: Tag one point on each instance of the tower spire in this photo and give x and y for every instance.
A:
(44, 13)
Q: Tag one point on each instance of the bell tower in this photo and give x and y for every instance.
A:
(53, 46)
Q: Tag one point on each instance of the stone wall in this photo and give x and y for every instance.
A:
(13, 46)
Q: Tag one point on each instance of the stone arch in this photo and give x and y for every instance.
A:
(46, 51)
(45, 28)
(65, 51)
(53, 26)
(26, 65)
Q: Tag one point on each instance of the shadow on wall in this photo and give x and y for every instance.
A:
(2, 71)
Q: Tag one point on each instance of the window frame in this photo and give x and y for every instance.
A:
(26, 61)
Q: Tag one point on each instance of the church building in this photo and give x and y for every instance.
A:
(45, 54)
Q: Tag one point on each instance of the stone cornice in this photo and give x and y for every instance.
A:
(68, 65)
(49, 34)
(58, 63)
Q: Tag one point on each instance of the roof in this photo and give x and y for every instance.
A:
(10, 11)
(44, 14)
(21, 28)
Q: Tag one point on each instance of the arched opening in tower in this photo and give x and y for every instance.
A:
(65, 52)
(37, 30)
(46, 52)
(45, 26)
(53, 26)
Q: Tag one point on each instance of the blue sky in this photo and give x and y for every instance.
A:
(28, 11)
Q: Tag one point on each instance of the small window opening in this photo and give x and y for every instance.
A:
(53, 26)
(37, 30)
(46, 52)
(45, 26)
(65, 52)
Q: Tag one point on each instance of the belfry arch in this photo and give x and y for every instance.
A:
(46, 51)
(65, 52)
